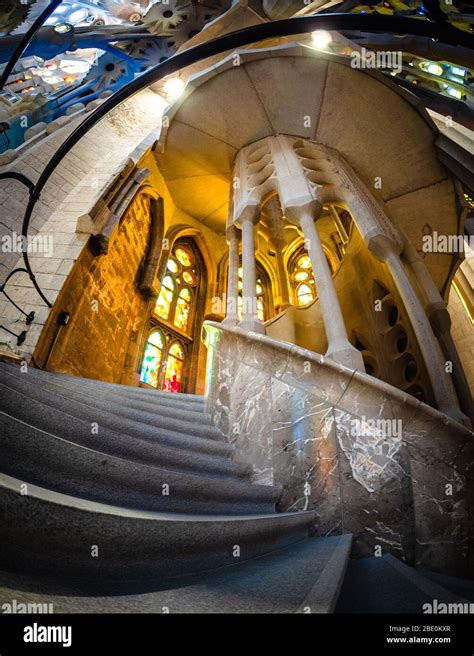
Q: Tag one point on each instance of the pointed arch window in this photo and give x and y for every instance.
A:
(176, 298)
(169, 360)
(302, 279)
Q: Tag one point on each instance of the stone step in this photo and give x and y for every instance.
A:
(52, 420)
(461, 587)
(277, 582)
(100, 401)
(106, 420)
(49, 533)
(115, 394)
(387, 585)
(191, 402)
(35, 456)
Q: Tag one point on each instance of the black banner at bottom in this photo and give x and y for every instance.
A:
(234, 634)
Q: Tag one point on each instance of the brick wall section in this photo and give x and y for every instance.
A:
(104, 303)
(71, 192)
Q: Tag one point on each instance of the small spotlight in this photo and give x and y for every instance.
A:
(435, 69)
(63, 28)
(173, 87)
(454, 93)
(321, 39)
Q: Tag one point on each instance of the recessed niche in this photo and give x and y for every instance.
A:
(417, 391)
(370, 363)
(396, 342)
(410, 371)
(404, 370)
(387, 316)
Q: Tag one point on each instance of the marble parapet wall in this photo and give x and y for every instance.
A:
(368, 458)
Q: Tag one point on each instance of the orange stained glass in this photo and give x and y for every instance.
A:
(188, 277)
(163, 304)
(183, 257)
(183, 306)
(174, 368)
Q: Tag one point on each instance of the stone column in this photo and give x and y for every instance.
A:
(282, 276)
(441, 382)
(231, 318)
(440, 321)
(250, 320)
(275, 224)
(339, 225)
(339, 347)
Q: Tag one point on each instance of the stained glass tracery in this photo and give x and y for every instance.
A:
(175, 300)
(165, 354)
(302, 280)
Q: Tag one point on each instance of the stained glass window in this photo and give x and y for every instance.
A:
(302, 279)
(304, 294)
(165, 299)
(171, 344)
(175, 301)
(150, 370)
(172, 266)
(174, 368)
(183, 257)
(183, 306)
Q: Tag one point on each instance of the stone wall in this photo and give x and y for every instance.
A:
(369, 459)
(128, 131)
(107, 311)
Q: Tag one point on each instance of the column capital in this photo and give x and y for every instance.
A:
(231, 232)
(313, 208)
(381, 246)
(249, 214)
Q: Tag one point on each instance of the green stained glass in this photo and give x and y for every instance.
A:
(152, 359)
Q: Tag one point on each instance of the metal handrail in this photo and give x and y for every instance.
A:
(287, 27)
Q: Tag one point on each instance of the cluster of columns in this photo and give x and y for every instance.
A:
(386, 243)
(281, 172)
(285, 166)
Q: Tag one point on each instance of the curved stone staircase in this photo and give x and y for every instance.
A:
(123, 499)
(107, 489)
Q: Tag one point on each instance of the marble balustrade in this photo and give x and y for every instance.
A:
(370, 459)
